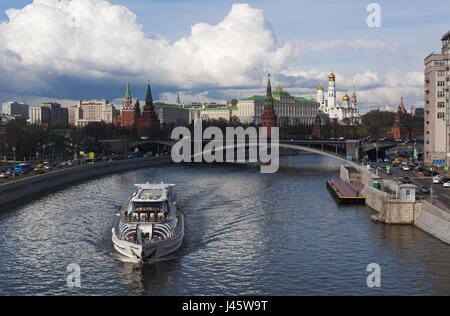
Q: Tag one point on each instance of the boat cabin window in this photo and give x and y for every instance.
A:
(149, 212)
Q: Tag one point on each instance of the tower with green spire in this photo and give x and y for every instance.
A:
(178, 98)
(128, 101)
(128, 113)
(268, 117)
(148, 123)
(128, 94)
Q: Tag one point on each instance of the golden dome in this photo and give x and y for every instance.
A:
(332, 77)
(279, 88)
(320, 87)
(346, 98)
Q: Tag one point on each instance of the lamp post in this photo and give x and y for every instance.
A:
(14, 155)
(432, 158)
(6, 155)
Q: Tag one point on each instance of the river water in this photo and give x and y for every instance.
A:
(246, 234)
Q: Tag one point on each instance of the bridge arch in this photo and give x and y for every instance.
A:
(314, 151)
(280, 145)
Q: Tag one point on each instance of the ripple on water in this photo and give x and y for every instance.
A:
(246, 233)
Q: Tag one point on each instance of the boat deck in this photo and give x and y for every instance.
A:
(346, 193)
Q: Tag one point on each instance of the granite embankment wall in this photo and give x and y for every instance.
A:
(25, 188)
(434, 221)
(344, 174)
(428, 217)
(389, 209)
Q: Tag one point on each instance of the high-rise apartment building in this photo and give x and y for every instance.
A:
(437, 109)
(49, 113)
(15, 109)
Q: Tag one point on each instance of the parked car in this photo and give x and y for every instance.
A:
(446, 183)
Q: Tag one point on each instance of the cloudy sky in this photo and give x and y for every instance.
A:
(215, 50)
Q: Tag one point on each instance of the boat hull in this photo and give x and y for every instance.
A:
(150, 250)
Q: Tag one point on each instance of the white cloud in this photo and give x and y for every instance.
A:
(93, 39)
(369, 46)
(373, 89)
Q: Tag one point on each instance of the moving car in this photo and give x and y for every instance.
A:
(425, 190)
(446, 183)
(39, 169)
(406, 180)
(4, 174)
(406, 168)
(437, 179)
(426, 173)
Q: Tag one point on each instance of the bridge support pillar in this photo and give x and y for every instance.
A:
(352, 150)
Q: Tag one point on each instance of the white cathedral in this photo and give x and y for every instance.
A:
(346, 113)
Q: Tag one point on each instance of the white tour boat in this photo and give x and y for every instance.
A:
(151, 224)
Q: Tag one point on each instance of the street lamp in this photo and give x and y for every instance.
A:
(14, 154)
(6, 155)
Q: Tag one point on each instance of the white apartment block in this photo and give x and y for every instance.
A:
(89, 111)
(437, 109)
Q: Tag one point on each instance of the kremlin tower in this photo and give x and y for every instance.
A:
(268, 117)
(148, 122)
(145, 123)
(128, 113)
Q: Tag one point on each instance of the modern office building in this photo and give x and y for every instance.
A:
(437, 118)
(15, 109)
(48, 113)
(89, 111)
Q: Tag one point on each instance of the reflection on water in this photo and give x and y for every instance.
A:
(246, 233)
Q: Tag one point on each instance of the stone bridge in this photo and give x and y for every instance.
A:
(352, 150)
